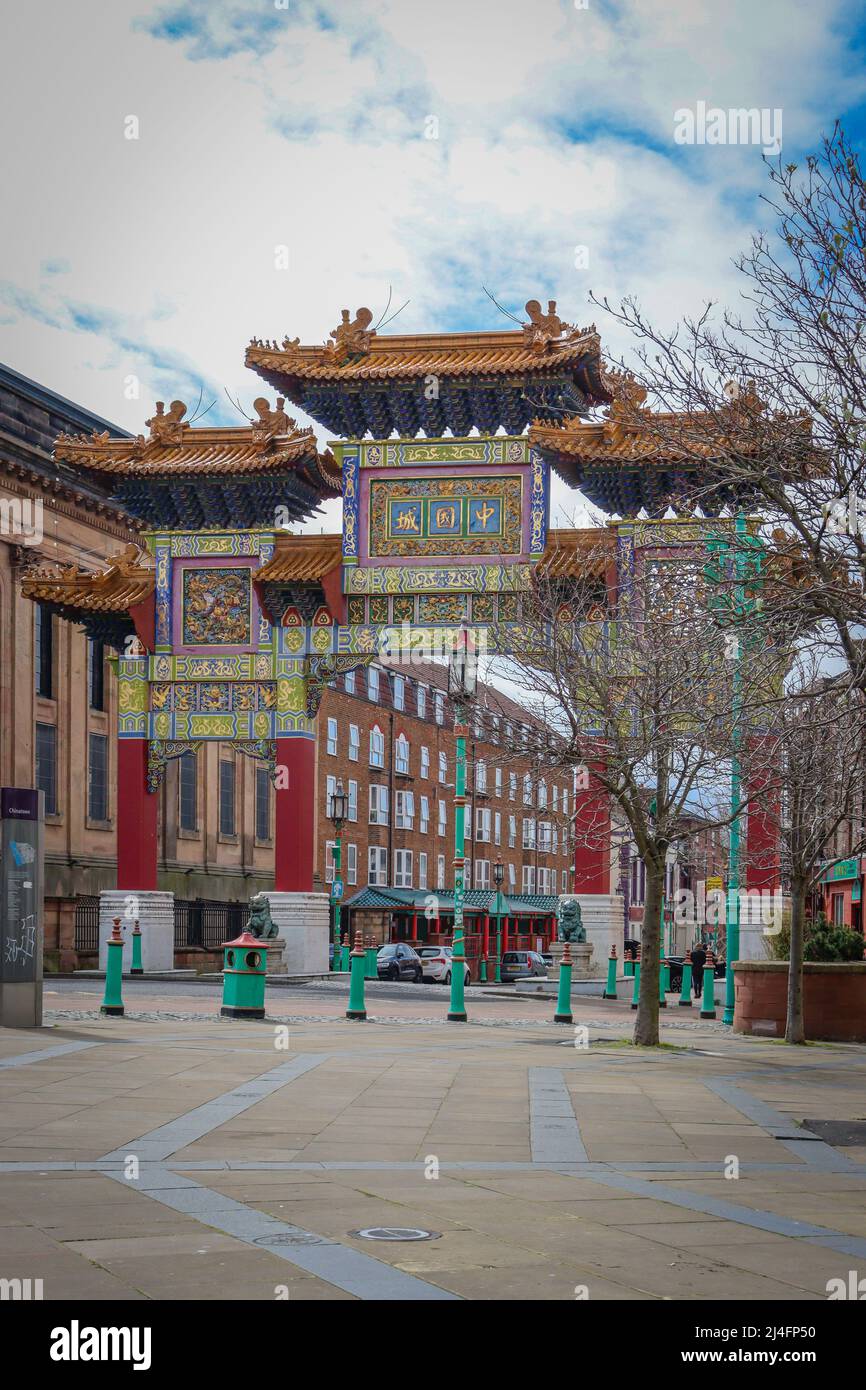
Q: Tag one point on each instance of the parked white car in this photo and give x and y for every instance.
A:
(436, 961)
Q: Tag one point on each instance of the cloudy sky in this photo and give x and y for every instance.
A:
(306, 125)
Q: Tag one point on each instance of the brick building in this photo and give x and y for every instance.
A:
(386, 732)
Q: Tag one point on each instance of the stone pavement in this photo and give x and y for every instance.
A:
(203, 1159)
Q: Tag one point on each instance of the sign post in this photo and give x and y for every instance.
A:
(21, 895)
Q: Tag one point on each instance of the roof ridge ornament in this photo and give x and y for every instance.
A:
(271, 422)
(167, 429)
(351, 337)
(548, 330)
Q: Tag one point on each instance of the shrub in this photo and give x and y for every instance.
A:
(824, 942)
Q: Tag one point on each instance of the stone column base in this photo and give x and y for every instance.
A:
(601, 915)
(301, 920)
(276, 949)
(155, 917)
(581, 959)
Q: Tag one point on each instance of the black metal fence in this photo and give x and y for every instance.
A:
(87, 924)
(207, 924)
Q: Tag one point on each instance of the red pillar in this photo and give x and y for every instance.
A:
(591, 837)
(295, 820)
(136, 818)
(762, 821)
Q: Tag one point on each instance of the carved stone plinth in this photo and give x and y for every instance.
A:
(276, 951)
(302, 922)
(581, 956)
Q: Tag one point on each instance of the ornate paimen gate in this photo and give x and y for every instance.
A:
(228, 627)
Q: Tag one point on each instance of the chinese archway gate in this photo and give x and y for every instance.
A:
(228, 627)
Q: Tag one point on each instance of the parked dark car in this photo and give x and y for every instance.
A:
(397, 961)
(521, 965)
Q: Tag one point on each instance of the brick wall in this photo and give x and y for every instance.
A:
(486, 745)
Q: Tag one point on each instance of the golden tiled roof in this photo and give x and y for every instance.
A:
(174, 447)
(577, 554)
(357, 353)
(129, 579)
(608, 442)
(301, 558)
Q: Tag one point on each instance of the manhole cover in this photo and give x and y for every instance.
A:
(395, 1233)
(292, 1238)
(840, 1133)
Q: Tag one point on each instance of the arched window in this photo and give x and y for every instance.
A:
(401, 754)
(377, 747)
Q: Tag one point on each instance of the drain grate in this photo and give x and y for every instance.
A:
(292, 1238)
(395, 1233)
(840, 1133)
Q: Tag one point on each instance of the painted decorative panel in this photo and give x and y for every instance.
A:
(217, 608)
(388, 579)
(397, 453)
(445, 516)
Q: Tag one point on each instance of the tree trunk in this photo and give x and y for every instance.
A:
(646, 1027)
(795, 1029)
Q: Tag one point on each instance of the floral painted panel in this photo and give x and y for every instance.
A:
(217, 607)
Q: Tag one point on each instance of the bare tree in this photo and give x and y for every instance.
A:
(651, 695)
(819, 740)
(764, 405)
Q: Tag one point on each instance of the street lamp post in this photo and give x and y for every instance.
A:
(498, 876)
(462, 681)
(338, 809)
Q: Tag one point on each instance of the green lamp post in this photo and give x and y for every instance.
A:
(338, 810)
(462, 682)
(498, 905)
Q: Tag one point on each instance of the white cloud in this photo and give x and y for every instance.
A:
(555, 130)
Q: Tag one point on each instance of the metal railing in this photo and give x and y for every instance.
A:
(87, 923)
(207, 924)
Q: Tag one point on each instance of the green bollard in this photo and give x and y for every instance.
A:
(686, 990)
(563, 999)
(636, 994)
(664, 983)
(112, 1003)
(244, 968)
(628, 964)
(344, 954)
(371, 971)
(136, 950)
(610, 989)
(356, 1009)
(708, 1002)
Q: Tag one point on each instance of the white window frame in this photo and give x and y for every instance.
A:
(331, 743)
(378, 803)
(377, 866)
(352, 864)
(422, 870)
(425, 762)
(354, 743)
(424, 820)
(402, 753)
(353, 800)
(377, 747)
(403, 868)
